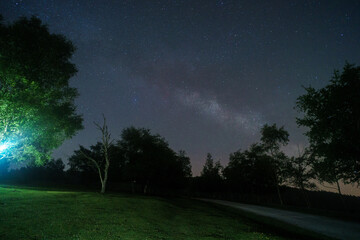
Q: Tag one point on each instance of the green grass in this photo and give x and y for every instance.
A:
(49, 215)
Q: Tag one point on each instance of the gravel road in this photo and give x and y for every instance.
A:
(324, 225)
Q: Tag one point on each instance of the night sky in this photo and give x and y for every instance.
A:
(206, 75)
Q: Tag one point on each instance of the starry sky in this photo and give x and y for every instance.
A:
(206, 75)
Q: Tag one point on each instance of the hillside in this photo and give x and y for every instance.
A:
(40, 214)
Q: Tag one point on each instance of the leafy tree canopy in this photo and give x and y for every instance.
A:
(37, 111)
(332, 115)
(79, 163)
(185, 164)
(300, 171)
(211, 170)
(272, 138)
(250, 170)
(149, 160)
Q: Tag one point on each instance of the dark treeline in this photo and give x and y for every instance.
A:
(139, 162)
(265, 175)
(143, 163)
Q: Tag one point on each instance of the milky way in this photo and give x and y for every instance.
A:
(206, 75)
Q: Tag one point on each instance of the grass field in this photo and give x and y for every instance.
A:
(47, 215)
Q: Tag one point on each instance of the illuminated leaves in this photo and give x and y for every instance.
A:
(36, 102)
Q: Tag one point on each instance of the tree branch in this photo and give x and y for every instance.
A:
(95, 163)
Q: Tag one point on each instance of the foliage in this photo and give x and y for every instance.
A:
(211, 170)
(52, 172)
(37, 111)
(211, 176)
(332, 116)
(300, 171)
(272, 138)
(149, 160)
(56, 165)
(80, 165)
(185, 163)
(249, 171)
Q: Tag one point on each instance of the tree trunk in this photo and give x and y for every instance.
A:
(106, 143)
(103, 186)
(146, 187)
(276, 180)
(279, 194)
(104, 181)
(278, 189)
(341, 196)
(306, 197)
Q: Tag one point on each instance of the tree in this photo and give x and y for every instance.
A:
(261, 168)
(210, 169)
(49, 173)
(37, 111)
(211, 174)
(249, 171)
(332, 116)
(238, 172)
(331, 172)
(82, 167)
(150, 161)
(185, 164)
(56, 165)
(272, 138)
(102, 164)
(300, 173)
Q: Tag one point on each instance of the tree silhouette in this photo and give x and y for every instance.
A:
(150, 161)
(37, 111)
(331, 172)
(300, 173)
(211, 174)
(249, 171)
(332, 116)
(272, 138)
(210, 168)
(238, 172)
(185, 164)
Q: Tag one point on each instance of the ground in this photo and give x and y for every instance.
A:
(39, 214)
(331, 227)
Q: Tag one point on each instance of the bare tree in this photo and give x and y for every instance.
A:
(103, 165)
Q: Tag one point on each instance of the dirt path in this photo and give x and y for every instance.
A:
(324, 225)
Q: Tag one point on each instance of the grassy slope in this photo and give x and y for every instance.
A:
(38, 214)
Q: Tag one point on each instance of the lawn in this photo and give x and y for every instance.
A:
(46, 215)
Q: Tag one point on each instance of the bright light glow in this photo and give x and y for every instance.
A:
(3, 147)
